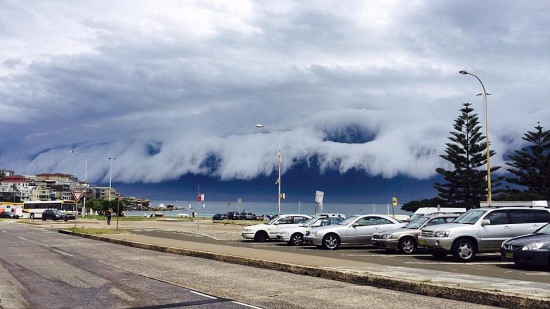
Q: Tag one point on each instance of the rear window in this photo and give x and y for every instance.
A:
(529, 215)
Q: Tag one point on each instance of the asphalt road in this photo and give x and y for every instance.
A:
(40, 268)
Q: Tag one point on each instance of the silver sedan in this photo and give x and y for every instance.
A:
(355, 230)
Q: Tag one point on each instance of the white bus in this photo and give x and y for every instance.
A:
(34, 209)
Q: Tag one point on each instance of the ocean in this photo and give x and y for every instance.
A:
(208, 209)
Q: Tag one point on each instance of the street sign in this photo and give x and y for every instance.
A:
(77, 195)
(394, 201)
(319, 196)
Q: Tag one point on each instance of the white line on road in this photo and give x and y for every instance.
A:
(203, 295)
(65, 253)
(246, 305)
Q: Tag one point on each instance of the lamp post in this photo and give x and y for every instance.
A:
(110, 173)
(484, 94)
(279, 154)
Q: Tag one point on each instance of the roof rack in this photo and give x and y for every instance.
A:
(515, 204)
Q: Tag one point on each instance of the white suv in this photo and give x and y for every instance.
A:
(269, 230)
(481, 230)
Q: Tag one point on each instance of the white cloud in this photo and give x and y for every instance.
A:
(164, 86)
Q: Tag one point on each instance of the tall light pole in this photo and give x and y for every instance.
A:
(279, 154)
(110, 173)
(484, 94)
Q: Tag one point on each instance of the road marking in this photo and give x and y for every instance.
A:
(203, 295)
(65, 253)
(246, 305)
(21, 238)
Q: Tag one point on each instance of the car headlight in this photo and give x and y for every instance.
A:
(533, 246)
(441, 234)
(312, 233)
(387, 236)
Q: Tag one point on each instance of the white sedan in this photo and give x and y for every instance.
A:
(269, 230)
(355, 230)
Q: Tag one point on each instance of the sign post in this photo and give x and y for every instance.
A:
(395, 203)
(117, 210)
(77, 195)
(319, 195)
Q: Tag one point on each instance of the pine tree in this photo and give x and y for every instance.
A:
(465, 186)
(531, 164)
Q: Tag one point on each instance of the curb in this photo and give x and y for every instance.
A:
(483, 297)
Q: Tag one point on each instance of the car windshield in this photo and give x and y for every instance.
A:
(349, 220)
(544, 230)
(416, 223)
(273, 220)
(470, 217)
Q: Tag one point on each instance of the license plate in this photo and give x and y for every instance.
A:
(509, 255)
(422, 242)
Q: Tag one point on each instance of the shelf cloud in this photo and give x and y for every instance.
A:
(173, 88)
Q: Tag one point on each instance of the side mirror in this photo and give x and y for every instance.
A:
(485, 222)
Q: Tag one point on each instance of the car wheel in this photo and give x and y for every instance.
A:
(261, 236)
(32, 216)
(331, 241)
(297, 239)
(407, 245)
(43, 218)
(464, 250)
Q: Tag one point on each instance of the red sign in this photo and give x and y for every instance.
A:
(77, 195)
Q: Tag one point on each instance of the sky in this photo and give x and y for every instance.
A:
(360, 95)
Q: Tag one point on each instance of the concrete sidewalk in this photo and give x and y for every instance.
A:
(475, 289)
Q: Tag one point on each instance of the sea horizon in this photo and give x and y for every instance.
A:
(209, 208)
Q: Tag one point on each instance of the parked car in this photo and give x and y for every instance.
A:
(405, 239)
(423, 211)
(269, 230)
(528, 250)
(482, 230)
(234, 215)
(294, 236)
(248, 216)
(217, 217)
(55, 214)
(355, 230)
(9, 215)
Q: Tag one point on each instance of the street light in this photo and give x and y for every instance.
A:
(110, 173)
(279, 153)
(484, 93)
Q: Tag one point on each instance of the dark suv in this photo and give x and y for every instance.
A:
(55, 215)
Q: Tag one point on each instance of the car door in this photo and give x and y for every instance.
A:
(360, 232)
(493, 234)
(282, 223)
(526, 221)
